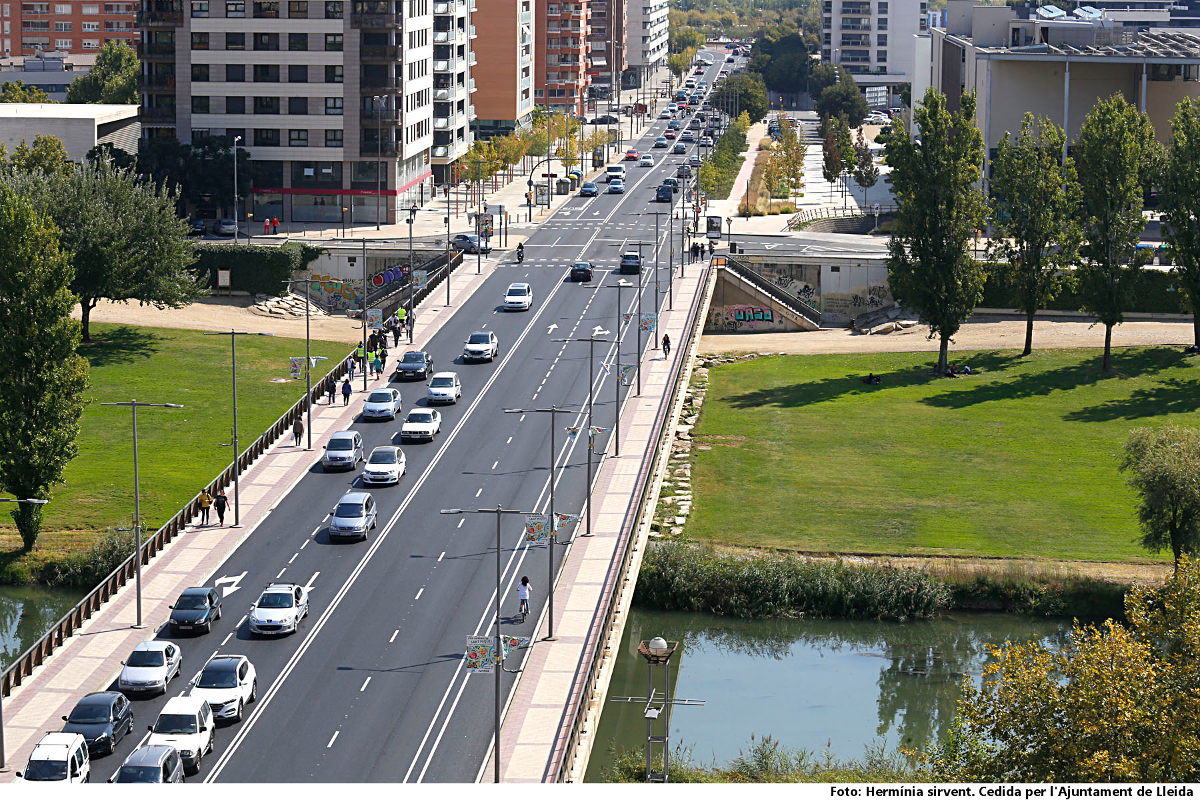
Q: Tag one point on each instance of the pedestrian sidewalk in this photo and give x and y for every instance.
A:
(91, 659)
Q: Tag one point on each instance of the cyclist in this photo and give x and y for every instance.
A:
(666, 345)
(523, 595)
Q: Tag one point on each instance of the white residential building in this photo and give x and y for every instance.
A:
(873, 40)
(646, 25)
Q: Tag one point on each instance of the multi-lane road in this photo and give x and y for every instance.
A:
(372, 687)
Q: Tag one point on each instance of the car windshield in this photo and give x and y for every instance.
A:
(383, 457)
(417, 357)
(439, 383)
(191, 602)
(146, 658)
(175, 723)
(90, 713)
(46, 771)
(582, 265)
(276, 600)
(420, 418)
(380, 397)
(478, 338)
(341, 444)
(516, 291)
(589, 185)
(349, 510)
(217, 678)
(130, 774)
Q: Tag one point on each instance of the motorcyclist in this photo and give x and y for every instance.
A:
(520, 251)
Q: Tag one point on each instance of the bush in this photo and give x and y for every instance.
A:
(1157, 292)
(254, 268)
(1046, 594)
(86, 569)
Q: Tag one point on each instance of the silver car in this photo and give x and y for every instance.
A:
(353, 516)
(444, 387)
(152, 763)
(344, 451)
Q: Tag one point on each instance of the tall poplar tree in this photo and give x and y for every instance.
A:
(1179, 202)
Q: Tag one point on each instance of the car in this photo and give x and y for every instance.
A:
(481, 346)
(679, 149)
(694, 161)
(421, 423)
(386, 465)
(196, 609)
(278, 609)
(631, 263)
(706, 141)
(152, 763)
(581, 271)
(444, 387)
(672, 107)
(185, 723)
(589, 189)
(59, 757)
(470, 243)
(730, 59)
(414, 364)
(353, 516)
(518, 297)
(344, 451)
(694, 124)
(616, 186)
(663, 194)
(687, 136)
(103, 719)
(631, 155)
(646, 161)
(661, 142)
(664, 114)
(197, 227)
(381, 404)
(226, 227)
(684, 171)
(673, 183)
(228, 683)
(673, 125)
(669, 134)
(606, 119)
(150, 667)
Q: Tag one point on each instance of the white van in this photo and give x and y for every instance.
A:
(59, 757)
(614, 171)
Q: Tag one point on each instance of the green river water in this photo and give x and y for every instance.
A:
(26, 612)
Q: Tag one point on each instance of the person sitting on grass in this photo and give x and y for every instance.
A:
(872, 379)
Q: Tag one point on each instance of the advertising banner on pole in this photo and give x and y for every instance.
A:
(596, 430)
(420, 279)
(481, 654)
(510, 643)
(297, 364)
(561, 520)
(374, 318)
(649, 322)
(537, 527)
(572, 432)
(626, 371)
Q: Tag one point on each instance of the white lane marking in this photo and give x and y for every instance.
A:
(317, 529)
(306, 541)
(479, 492)
(277, 577)
(394, 635)
(420, 592)
(494, 463)
(293, 558)
(308, 587)
(522, 419)
(143, 741)
(240, 621)
(443, 555)
(364, 686)
(509, 440)
(461, 521)
(226, 639)
(332, 740)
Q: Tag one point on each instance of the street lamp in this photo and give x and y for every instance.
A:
(619, 285)
(308, 282)
(233, 334)
(236, 213)
(378, 152)
(598, 335)
(412, 217)
(3, 763)
(137, 500)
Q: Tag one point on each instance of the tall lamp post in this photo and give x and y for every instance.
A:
(598, 335)
(133, 406)
(378, 152)
(3, 762)
(237, 214)
(233, 334)
(619, 285)
(308, 282)
(412, 217)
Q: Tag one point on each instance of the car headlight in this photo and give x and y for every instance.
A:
(186, 753)
(102, 737)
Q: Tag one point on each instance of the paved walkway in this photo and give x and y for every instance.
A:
(91, 659)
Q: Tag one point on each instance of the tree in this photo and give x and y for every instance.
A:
(46, 157)
(110, 152)
(1179, 202)
(1114, 154)
(831, 163)
(742, 92)
(1164, 469)
(113, 79)
(939, 209)
(845, 148)
(1036, 197)
(792, 155)
(843, 97)
(825, 75)
(866, 172)
(42, 378)
(198, 173)
(682, 38)
(17, 92)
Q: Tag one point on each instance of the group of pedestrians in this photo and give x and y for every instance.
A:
(698, 250)
(207, 502)
(396, 324)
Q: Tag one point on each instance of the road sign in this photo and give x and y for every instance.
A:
(549, 174)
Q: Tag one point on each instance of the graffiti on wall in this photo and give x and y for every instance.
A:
(800, 280)
(843, 307)
(742, 318)
(333, 294)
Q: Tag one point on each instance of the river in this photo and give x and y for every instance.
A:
(27, 612)
(836, 686)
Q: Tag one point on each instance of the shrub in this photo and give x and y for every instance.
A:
(86, 569)
(1157, 293)
(254, 268)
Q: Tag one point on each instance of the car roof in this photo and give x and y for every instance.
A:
(224, 663)
(183, 705)
(157, 645)
(518, 286)
(55, 746)
(343, 435)
(408, 353)
(376, 450)
(194, 590)
(149, 755)
(97, 699)
(289, 587)
(435, 375)
(354, 497)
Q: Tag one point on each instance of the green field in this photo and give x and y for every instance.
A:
(1017, 461)
(178, 449)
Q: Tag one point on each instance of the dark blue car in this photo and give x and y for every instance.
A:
(589, 189)
(195, 610)
(102, 719)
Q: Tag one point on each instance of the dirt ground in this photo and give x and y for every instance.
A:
(1000, 332)
(223, 313)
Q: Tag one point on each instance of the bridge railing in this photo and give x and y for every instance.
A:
(813, 214)
(797, 304)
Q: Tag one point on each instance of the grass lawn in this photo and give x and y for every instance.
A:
(178, 449)
(1017, 461)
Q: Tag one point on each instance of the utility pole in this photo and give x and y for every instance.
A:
(412, 217)
(619, 285)
(598, 335)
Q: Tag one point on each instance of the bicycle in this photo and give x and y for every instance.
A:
(524, 609)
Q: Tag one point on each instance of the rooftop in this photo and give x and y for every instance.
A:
(98, 112)
(1136, 45)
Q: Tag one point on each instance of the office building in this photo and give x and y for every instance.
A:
(873, 40)
(80, 126)
(504, 72)
(453, 85)
(69, 27)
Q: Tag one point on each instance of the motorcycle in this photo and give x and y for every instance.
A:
(520, 255)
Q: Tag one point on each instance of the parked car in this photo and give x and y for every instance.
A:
(186, 723)
(150, 667)
(470, 243)
(381, 404)
(103, 719)
(414, 364)
(152, 763)
(344, 451)
(197, 227)
(385, 465)
(196, 609)
(581, 271)
(278, 609)
(606, 119)
(59, 757)
(353, 516)
(421, 423)
(226, 227)
(481, 346)
(444, 387)
(589, 189)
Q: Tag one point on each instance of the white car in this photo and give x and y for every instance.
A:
(387, 464)
(519, 297)
(279, 609)
(186, 723)
(150, 667)
(444, 387)
(421, 423)
(59, 757)
(382, 404)
(481, 346)
(228, 684)
(646, 161)
(664, 114)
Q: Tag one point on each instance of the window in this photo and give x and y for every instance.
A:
(297, 73)
(333, 106)
(881, 40)
(333, 41)
(298, 9)
(236, 133)
(235, 8)
(883, 8)
(266, 105)
(199, 72)
(881, 57)
(266, 137)
(266, 10)
(118, 8)
(90, 27)
(266, 73)
(199, 41)
(235, 105)
(297, 105)
(266, 41)
(90, 44)
(60, 8)
(235, 73)
(62, 44)
(199, 105)
(297, 138)
(92, 10)
(62, 27)
(333, 10)
(333, 138)
(333, 73)
(297, 41)
(881, 24)
(199, 8)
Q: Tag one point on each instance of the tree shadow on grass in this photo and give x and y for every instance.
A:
(121, 345)
(1172, 396)
(1126, 364)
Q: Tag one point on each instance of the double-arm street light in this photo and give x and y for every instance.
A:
(237, 213)
(619, 285)
(3, 763)
(598, 335)
(308, 282)
(233, 334)
(378, 102)
(133, 406)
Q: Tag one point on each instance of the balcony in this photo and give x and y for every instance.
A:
(376, 21)
(447, 37)
(155, 50)
(367, 148)
(380, 52)
(160, 18)
(443, 8)
(156, 82)
(857, 9)
(451, 93)
(380, 114)
(371, 83)
(441, 151)
(472, 33)
(441, 123)
(153, 115)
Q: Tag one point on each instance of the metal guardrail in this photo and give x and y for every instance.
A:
(565, 761)
(814, 214)
(796, 304)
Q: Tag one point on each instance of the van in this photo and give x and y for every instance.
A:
(663, 194)
(61, 757)
(614, 171)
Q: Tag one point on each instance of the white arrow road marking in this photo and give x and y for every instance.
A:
(232, 581)
(308, 587)
(553, 327)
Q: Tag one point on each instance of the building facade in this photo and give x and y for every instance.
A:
(51, 72)
(646, 35)
(332, 99)
(453, 63)
(504, 73)
(873, 40)
(561, 66)
(80, 126)
(30, 28)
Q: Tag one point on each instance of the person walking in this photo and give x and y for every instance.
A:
(350, 369)
(220, 503)
(666, 346)
(298, 429)
(274, 224)
(360, 353)
(346, 392)
(378, 364)
(205, 501)
(382, 353)
(332, 388)
(711, 249)
(396, 330)
(266, 227)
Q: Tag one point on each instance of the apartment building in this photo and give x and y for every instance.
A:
(562, 71)
(453, 85)
(646, 35)
(331, 98)
(52, 72)
(874, 41)
(69, 27)
(504, 72)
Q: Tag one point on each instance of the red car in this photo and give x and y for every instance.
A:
(670, 134)
(631, 155)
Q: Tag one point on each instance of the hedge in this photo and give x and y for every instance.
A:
(254, 268)
(1157, 292)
